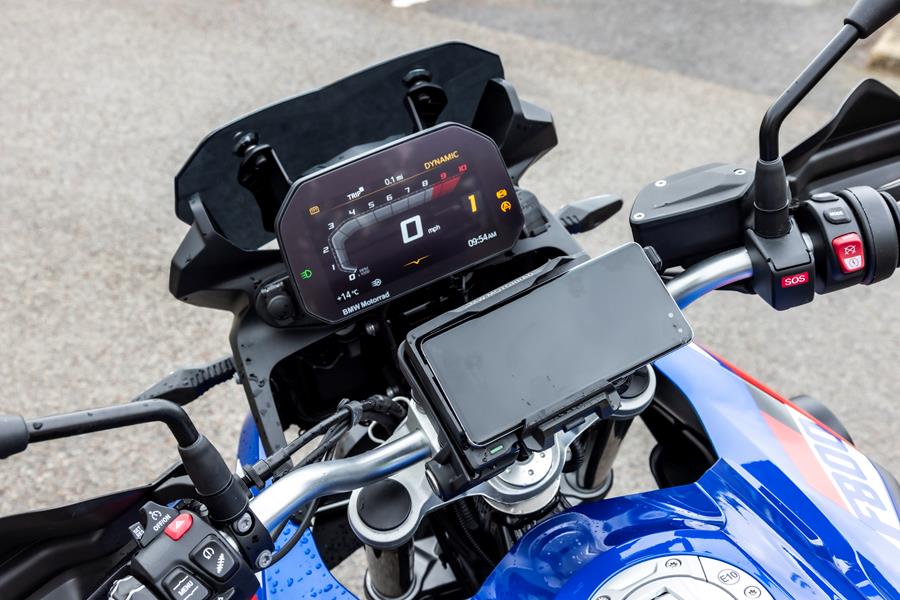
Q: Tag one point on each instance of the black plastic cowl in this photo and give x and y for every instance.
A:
(868, 16)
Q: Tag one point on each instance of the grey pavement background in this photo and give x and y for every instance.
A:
(100, 103)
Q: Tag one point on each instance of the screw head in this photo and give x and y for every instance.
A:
(740, 171)
(243, 524)
(638, 216)
(660, 183)
(264, 559)
(673, 563)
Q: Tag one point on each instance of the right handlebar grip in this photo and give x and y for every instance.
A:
(893, 201)
(13, 435)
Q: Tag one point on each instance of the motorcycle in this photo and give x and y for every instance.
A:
(462, 374)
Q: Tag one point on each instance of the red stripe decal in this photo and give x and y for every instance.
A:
(800, 452)
(758, 384)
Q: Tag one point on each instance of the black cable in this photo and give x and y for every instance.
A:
(355, 411)
(329, 441)
(332, 430)
(577, 458)
(469, 521)
(322, 452)
(332, 436)
(325, 447)
(278, 530)
(297, 535)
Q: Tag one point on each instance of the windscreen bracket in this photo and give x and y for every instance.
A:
(262, 174)
(425, 100)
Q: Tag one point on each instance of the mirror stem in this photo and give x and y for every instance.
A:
(771, 202)
(797, 91)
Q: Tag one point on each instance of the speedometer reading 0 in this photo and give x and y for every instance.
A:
(367, 231)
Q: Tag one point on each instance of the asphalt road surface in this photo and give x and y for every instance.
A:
(100, 104)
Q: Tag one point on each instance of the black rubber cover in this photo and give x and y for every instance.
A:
(876, 221)
(868, 16)
(770, 199)
(13, 435)
(385, 505)
(222, 492)
(895, 211)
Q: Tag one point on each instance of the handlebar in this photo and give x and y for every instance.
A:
(871, 221)
(285, 497)
(710, 274)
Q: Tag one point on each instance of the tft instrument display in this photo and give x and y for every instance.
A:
(369, 230)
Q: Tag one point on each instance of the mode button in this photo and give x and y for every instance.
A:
(837, 215)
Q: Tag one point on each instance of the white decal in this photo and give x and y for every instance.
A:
(855, 477)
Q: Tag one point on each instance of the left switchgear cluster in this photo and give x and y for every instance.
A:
(182, 558)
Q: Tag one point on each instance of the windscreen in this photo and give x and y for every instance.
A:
(349, 116)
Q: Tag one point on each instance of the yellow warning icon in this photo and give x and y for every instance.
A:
(314, 210)
(501, 193)
(506, 206)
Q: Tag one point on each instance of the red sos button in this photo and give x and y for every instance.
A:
(789, 281)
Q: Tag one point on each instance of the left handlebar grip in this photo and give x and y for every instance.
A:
(13, 435)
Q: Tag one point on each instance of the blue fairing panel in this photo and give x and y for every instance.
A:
(788, 502)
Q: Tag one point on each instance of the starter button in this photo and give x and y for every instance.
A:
(849, 251)
(211, 556)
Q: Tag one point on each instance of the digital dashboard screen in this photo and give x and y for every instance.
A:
(370, 230)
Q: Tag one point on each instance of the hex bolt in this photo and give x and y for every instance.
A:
(244, 524)
(264, 559)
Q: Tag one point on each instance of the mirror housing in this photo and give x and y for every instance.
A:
(868, 16)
